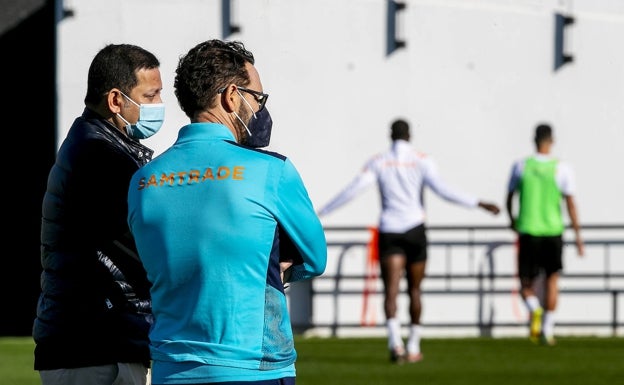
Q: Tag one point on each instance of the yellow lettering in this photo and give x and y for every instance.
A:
(152, 181)
(223, 172)
(142, 183)
(193, 176)
(208, 174)
(164, 178)
(238, 172)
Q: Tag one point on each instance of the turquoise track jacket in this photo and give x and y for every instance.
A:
(211, 220)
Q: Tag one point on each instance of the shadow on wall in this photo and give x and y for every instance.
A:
(28, 68)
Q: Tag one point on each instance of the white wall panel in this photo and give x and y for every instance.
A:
(474, 79)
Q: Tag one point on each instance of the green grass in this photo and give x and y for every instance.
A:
(365, 361)
(16, 361)
(478, 361)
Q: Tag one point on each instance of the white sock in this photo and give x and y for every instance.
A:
(394, 333)
(413, 342)
(532, 303)
(548, 326)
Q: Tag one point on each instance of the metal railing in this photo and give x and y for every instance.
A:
(482, 279)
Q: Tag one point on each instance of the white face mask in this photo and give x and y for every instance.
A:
(151, 117)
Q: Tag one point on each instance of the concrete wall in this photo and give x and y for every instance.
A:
(27, 43)
(474, 78)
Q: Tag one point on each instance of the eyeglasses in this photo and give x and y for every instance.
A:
(261, 98)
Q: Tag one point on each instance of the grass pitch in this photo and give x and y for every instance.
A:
(470, 361)
(456, 361)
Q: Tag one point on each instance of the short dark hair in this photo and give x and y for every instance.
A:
(115, 66)
(399, 130)
(206, 68)
(543, 132)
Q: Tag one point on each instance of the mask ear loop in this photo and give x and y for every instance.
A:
(130, 99)
(243, 123)
(122, 118)
(252, 111)
(246, 102)
(128, 124)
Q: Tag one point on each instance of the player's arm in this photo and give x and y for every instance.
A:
(512, 184)
(567, 183)
(571, 206)
(360, 183)
(509, 207)
(435, 181)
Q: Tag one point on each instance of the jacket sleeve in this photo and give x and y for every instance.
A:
(433, 179)
(299, 222)
(360, 183)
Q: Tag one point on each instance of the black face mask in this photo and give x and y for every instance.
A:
(259, 128)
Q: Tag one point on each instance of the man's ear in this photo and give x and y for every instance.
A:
(228, 99)
(114, 99)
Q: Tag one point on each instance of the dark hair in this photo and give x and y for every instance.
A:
(115, 66)
(205, 69)
(399, 130)
(542, 132)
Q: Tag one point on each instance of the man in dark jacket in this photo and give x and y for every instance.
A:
(94, 312)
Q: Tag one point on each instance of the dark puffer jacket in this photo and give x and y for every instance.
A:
(94, 308)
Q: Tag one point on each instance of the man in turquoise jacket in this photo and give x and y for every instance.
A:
(220, 226)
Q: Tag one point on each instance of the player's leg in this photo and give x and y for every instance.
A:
(553, 257)
(528, 269)
(415, 273)
(416, 252)
(552, 294)
(392, 267)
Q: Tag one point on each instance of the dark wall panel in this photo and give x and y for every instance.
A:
(28, 68)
